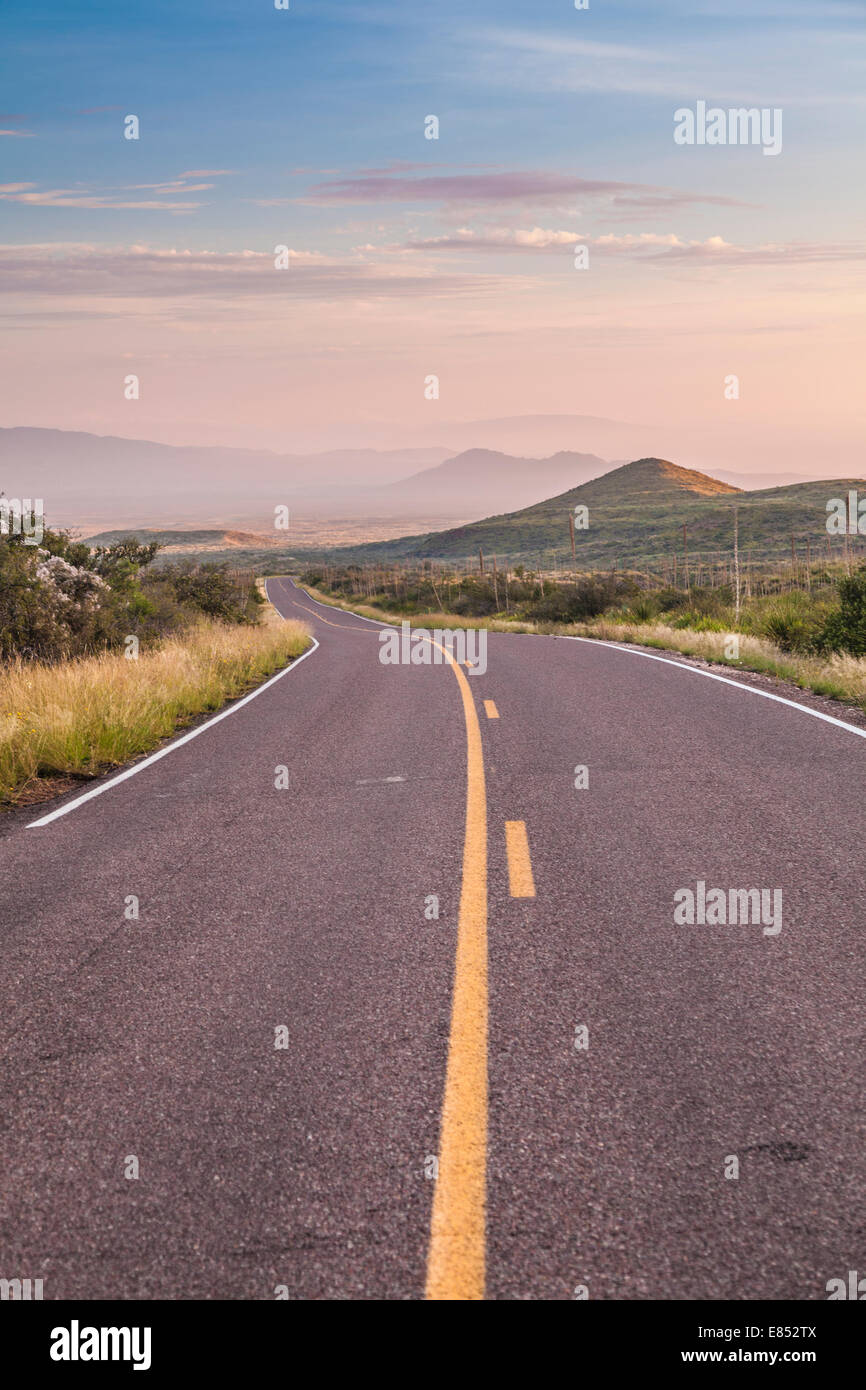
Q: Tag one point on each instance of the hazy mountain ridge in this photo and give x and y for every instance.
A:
(211, 500)
(481, 478)
(103, 481)
(106, 478)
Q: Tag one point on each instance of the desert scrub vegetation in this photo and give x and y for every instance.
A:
(102, 655)
(512, 595)
(63, 599)
(830, 618)
(83, 715)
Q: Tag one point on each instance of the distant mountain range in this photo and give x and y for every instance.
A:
(105, 482)
(480, 497)
(104, 479)
(482, 478)
(732, 439)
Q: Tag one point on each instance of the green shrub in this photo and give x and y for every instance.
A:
(60, 599)
(845, 628)
(791, 621)
(699, 622)
(643, 610)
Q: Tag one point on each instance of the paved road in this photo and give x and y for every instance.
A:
(306, 1166)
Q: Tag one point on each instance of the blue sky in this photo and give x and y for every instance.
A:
(241, 86)
(305, 128)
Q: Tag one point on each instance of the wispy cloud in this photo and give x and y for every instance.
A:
(717, 251)
(107, 199)
(788, 10)
(536, 60)
(529, 240)
(78, 198)
(646, 246)
(173, 186)
(142, 272)
(538, 186)
(34, 196)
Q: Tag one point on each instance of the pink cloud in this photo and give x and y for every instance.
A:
(646, 246)
(75, 198)
(538, 186)
(399, 166)
(497, 239)
(716, 251)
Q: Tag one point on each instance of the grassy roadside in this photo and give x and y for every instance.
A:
(80, 717)
(443, 620)
(837, 677)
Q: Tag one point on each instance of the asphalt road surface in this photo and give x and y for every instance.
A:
(587, 1073)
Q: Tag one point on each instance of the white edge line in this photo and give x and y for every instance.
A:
(163, 752)
(330, 607)
(335, 608)
(711, 675)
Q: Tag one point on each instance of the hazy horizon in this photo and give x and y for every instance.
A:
(99, 483)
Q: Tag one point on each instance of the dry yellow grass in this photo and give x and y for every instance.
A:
(268, 615)
(840, 677)
(82, 716)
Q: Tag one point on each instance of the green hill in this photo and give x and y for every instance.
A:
(636, 518)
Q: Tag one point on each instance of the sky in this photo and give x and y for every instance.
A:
(454, 257)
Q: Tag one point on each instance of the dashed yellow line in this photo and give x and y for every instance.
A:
(521, 884)
(490, 709)
(456, 1256)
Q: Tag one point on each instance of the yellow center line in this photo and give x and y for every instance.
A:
(347, 627)
(456, 1255)
(490, 709)
(520, 881)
